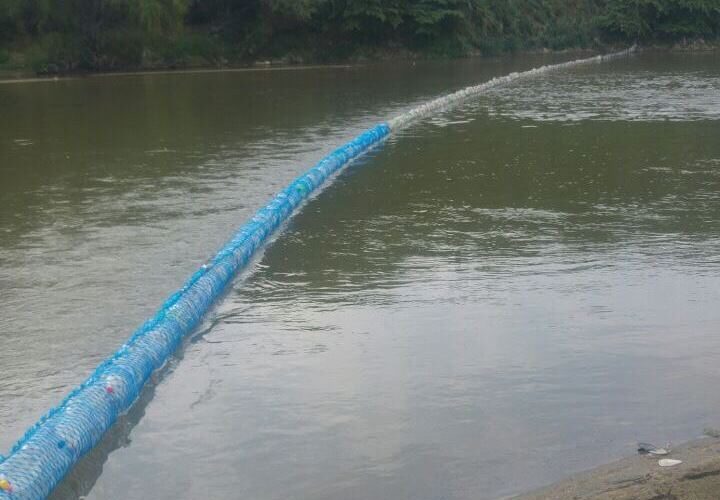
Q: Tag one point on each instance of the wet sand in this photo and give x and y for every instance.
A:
(641, 478)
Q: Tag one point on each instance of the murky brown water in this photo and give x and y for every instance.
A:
(500, 296)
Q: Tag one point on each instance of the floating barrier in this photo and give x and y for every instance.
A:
(51, 447)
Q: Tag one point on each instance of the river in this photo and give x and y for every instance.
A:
(499, 296)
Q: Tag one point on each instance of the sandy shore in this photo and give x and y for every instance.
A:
(641, 478)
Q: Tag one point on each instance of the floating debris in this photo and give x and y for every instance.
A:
(669, 462)
(5, 485)
(160, 151)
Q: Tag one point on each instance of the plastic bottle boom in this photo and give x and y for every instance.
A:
(51, 447)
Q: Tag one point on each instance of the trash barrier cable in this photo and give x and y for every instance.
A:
(51, 447)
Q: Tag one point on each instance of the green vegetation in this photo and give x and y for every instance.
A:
(68, 35)
(661, 19)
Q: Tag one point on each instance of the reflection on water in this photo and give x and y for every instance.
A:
(490, 302)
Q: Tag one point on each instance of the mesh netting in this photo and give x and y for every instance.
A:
(50, 448)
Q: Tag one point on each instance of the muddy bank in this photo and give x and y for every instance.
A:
(641, 478)
(697, 45)
(22, 74)
(7, 78)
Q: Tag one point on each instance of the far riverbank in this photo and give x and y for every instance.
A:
(26, 75)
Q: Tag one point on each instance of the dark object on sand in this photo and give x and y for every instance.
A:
(650, 449)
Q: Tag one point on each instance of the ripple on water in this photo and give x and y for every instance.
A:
(619, 92)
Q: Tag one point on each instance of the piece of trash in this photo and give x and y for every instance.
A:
(669, 462)
(5, 485)
(651, 449)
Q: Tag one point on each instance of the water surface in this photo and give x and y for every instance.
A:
(498, 297)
